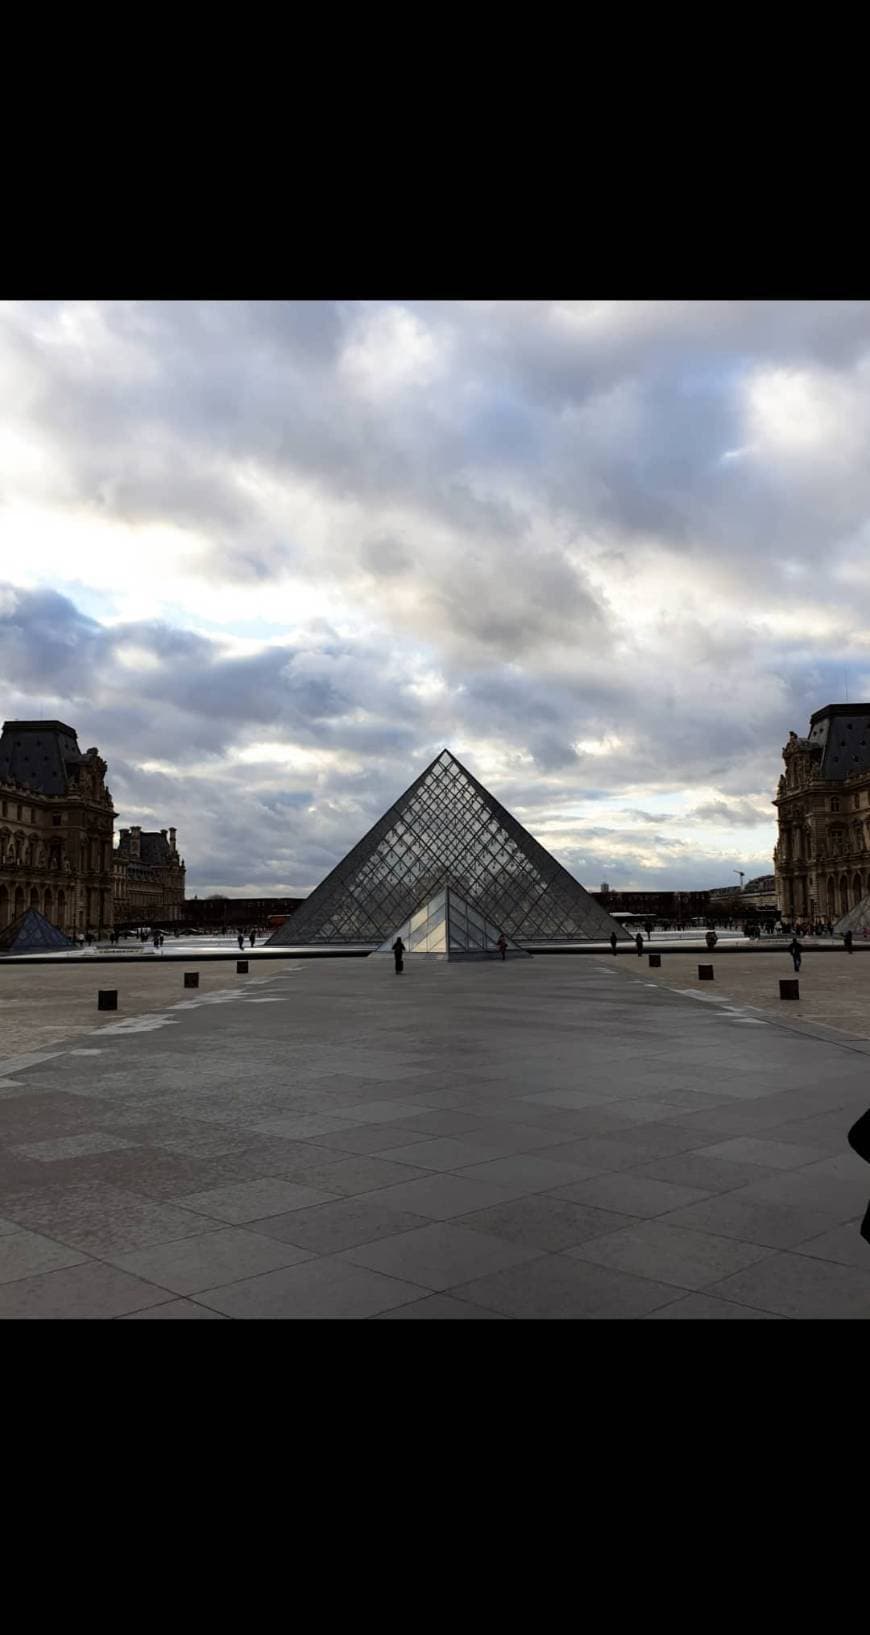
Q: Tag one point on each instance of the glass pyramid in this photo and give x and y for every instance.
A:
(447, 830)
(447, 927)
(32, 933)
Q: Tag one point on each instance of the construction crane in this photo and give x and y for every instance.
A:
(741, 872)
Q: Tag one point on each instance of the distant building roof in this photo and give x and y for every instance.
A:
(763, 882)
(842, 732)
(154, 848)
(39, 754)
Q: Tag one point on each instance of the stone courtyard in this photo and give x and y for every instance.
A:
(552, 1138)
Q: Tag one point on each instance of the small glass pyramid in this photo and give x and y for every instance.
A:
(32, 933)
(445, 926)
(448, 829)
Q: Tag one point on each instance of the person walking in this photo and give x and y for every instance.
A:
(796, 952)
(240, 939)
(252, 939)
(638, 943)
(398, 952)
(847, 942)
(859, 1140)
(613, 942)
(501, 945)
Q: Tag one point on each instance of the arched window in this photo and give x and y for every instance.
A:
(835, 803)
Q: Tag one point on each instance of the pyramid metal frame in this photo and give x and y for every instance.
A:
(447, 829)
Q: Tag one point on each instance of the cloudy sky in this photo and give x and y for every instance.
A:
(271, 557)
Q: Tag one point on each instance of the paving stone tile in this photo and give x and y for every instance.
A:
(446, 1153)
(446, 1121)
(303, 1126)
(798, 1285)
(324, 1288)
(181, 1309)
(557, 1287)
(691, 1169)
(544, 1221)
(631, 1194)
(587, 1121)
(438, 1306)
(254, 1200)
(367, 1138)
(695, 1307)
(89, 1290)
(827, 1133)
(531, 1171)
(841, 1243)
(570, 1099)
(357, 1173)
(637, 1144)
(841, 1196)
(438, 1255)
(73, 1146)
(326, 1228)
(23, 1254)
(381, 1112)
(191, 1264)
(754, 1150)
(731, 1215)
(101, 1220)
(440, 1196)
(670, 1254)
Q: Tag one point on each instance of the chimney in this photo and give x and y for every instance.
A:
(172, 839)
(163, 833)
(135, 840)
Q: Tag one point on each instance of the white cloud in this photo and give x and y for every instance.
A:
(609, 552)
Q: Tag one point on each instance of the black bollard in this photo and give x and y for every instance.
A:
(107, 999)
(789, 988)
(705, 973)
(655, 960)
(191, 979)
(241, 967)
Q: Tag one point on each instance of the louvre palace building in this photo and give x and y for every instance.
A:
(56, 822)
(822, 854)
(149, 877)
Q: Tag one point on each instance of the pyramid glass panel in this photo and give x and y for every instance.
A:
(447, 830)
(447, 928)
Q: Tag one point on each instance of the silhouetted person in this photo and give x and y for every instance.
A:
(859, 1140)
(613, 942)
(796, 951)
(847, 942)
(398, 953)
(241, 941)
(501, 945)
(252, 939)
(638, 943)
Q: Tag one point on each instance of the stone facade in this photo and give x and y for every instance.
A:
(149, 877)
(56, 821)
(822, 855)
